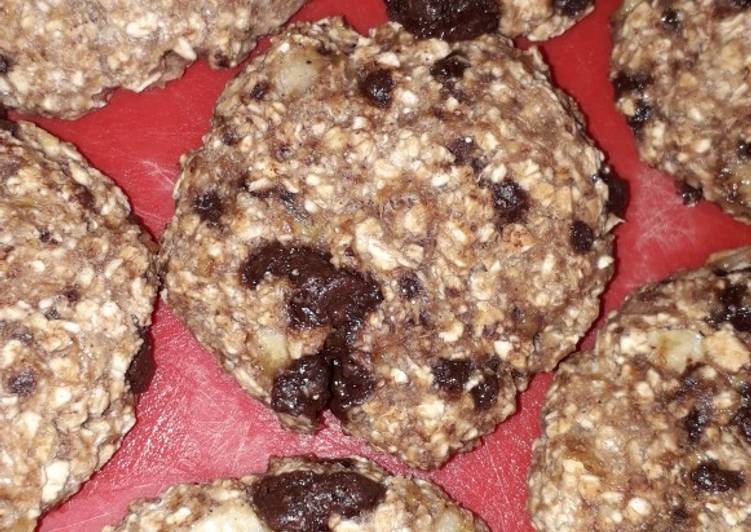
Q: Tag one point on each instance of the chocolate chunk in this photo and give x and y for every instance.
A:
(708, 476)
(303, 501)
(462, 149)
(45, 236)
(744, 150)
(572, 8)
(450, 68)
(734, 309)
(303, 388)
(634, 82)
(670, 19)
(410, 286)
(5, 64)
(690, 195)
(451, 375)
(742, 420)
(351, 385)
(642, 113)
(694, 424)
(22, 383)
(581, 237)
(142, 368)
(618, 194)
(377, 87)
(511, 202)
(451, 20)
(209, 207)
(84, 196)
(259, 90)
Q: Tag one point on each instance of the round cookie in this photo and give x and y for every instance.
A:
(680, 71)
(65, 58)
(456, 20)
(399, 230)
(77, 286)
(652, 429)
(304, 495)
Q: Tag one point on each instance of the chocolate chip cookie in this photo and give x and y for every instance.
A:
(651, 430)
(456, 20)
(77, 285)
(401, 231)
(304, 495)
(65, 58)
(681, 76)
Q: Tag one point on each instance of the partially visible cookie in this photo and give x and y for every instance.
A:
(681, 76)
(652, 429)
(77, 284)
(304, 495)
(456, 20)
(65, 58)
(400, 230)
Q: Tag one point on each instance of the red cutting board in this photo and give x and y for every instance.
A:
(195, 423)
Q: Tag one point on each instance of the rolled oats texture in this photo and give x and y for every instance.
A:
(64, 58)
(77, 285)
(651, 430)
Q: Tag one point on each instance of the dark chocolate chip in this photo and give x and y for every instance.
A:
(377, 87)
(410, 286)
(618, 194)
(485, 393)
(635, 82)
(351, 385)
(230, 136)
(735, 308)
(222, 60)
(209, 207)
(744, 150)
(694, 423)
(45, 236)
(709, 476)
(303, 501)
(581, 237)
(742, 420)
(72, 295)
(670, 19)
(451, 375)
(22, 383)
(259, 90)
(303, 388)
(84, 196)
(450, 68)
(642, 113)
(142, 368)
(52, 314)
(572, 8)
(5, 64)
(690, 195)
(462, 149)
(452, 20)
(511, 202)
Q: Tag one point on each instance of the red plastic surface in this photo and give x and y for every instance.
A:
(195, 423)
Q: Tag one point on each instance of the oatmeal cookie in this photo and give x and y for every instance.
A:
(651, 430)
(304, 495)
(64, 58)
(456, 20)
(77, 285)
(681, 76)
(399, 230)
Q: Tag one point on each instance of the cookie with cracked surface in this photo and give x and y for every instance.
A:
(77, 286)
(399, 230)
(456, 20)
(65, 58)
(680, 72)
(304, 495)
(651, 430)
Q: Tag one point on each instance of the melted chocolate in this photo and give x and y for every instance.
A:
(451, 20)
